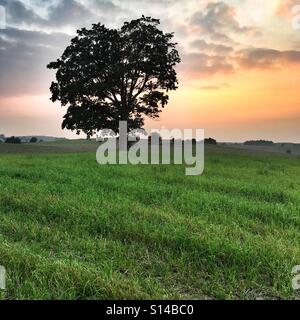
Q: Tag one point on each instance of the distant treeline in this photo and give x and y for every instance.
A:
(172, 140)
(259, 143)
(210, 141)
(17, 140)
(13, 139)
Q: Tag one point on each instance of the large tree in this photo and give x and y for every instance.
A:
(107, 75)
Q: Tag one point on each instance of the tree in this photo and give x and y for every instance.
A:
(33, 140)
(210, 141)
(259, 143)
(107, 75)
(13, 139)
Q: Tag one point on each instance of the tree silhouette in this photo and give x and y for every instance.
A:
(107, 75)
(210, 141)
(13, 139)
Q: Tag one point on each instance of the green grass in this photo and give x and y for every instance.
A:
(72, 229)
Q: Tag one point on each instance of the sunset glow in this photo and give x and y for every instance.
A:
(239, 76)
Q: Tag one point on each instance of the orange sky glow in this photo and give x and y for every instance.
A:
(239, 76)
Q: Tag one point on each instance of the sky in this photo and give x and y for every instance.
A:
(239, 78)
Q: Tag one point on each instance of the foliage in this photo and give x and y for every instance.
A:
(13, 139)
(107, 75)
(210, 141)
(259, 143)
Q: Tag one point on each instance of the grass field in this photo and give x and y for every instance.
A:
(72, 229)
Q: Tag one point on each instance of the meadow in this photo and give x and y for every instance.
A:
(72, 229)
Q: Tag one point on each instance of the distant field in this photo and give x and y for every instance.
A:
(82, 145)
(289, 149)
(72, 229)
(60, 146)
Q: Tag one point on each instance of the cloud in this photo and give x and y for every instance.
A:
(206, 38)
(208, 63)
(35, 38)
(217, 19)
(23, 59)
(211, 47)
(201, 64)
(213, 50)
(262, 58)
(105, 6)
(61, 13)
(69, 13)
(18, 14)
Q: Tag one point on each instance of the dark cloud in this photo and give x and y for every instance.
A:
(70, 13)
(105, 6)
(18, 14)
(35, 38)
(201, 64)
(208, 64)
(75, 14)
(211, 47)
(24, 54)
(109, 12)
(217, 19)
(222, 38)
(23, 59)
(265, 58)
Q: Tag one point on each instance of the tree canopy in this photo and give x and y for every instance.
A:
(108, 75)
(13, 139)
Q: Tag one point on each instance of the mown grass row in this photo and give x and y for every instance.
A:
(71, 229)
